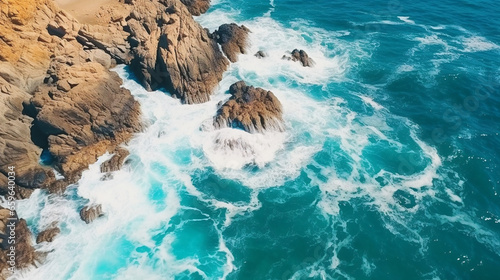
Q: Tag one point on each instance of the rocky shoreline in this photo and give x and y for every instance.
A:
(59, 97)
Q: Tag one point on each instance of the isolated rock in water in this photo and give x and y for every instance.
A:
(48, 235)
(83, 114)
(254, 110)
(173, 51)
(260, 54)
(89, 213)
(301, 56)
(233, 40)
(197, 7)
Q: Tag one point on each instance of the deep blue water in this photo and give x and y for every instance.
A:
(389, 168)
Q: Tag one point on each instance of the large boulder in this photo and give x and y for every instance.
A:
(173, 51)
(197, 7)
(82, 114)
(233, 40)
(254, 110)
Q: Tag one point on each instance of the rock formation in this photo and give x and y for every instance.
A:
(301, 56)
(115, 162)
(79, 109)
(173, 51)
(24, 57)
(233, 40)
(254, 110)
(56, 93)
(197, 7)
(16, 147)
(91, 212)
(48, 235)
(110, 39)
(25, 253)
(83, 113)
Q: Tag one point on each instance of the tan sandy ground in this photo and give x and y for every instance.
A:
(93, 11)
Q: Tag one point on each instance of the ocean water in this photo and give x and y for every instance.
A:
(388, 169)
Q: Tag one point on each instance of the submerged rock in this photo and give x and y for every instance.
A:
(301, 56)
(233, 40)
(254, 110)
(91, 212)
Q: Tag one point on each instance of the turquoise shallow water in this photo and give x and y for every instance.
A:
(389, 168)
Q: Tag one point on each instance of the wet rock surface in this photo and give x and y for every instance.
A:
(91, 212)
(233, 40)
(254, 110)
(48, 235)
(300, 56)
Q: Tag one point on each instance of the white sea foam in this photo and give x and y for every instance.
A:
(433, 39)
(405, 68)
(406, 20)
(478, 44)
(232, 148)
(371, 102)
(453, 197)
(276, 40)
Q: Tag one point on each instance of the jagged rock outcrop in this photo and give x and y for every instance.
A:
(233, 40)
(254, 110)
(115, 162)
(83, 112)
(301, 56)
(197, 7)
(48, 235)
(37, 40)
(110, 39)
(173, 51)
(91, 212)
(16, 147)
(25, 255)
(25, 50)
